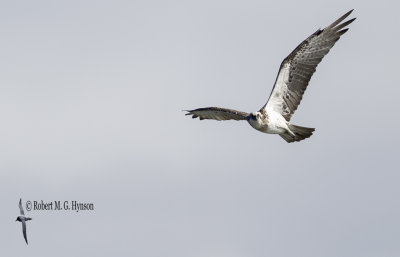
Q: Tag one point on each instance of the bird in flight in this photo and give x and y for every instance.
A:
(23, 220)
(293, 77)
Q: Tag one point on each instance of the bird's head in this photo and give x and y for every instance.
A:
(255, 119)
(254, 116)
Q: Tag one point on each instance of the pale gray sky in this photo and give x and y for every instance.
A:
(90, 107)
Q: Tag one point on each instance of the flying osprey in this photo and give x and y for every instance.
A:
(294, 74)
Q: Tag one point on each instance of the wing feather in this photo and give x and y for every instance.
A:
(21, 210)
(24, 230)
(217, 113)
(298, 67)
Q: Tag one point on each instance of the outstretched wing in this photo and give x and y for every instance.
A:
(21, 210)
(296, 70)
(24, 230)
(216, 113)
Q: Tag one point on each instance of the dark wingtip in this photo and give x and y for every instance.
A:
(341, 32)
(338, 21)
(188, 112)
(348, 13)
(194, 116)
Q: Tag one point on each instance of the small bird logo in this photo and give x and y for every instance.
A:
(23, 220)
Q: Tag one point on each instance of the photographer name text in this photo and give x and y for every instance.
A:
(58, 206)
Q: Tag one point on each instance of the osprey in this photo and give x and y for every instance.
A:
(293, 77)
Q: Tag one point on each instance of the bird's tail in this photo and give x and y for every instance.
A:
(300, 133)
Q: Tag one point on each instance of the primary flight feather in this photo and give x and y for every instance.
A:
(292, 80)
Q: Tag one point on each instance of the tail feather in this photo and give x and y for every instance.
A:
(300, 133)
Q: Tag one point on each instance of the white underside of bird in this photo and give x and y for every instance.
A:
(275, 124)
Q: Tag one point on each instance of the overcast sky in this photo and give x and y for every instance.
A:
(91, 102)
